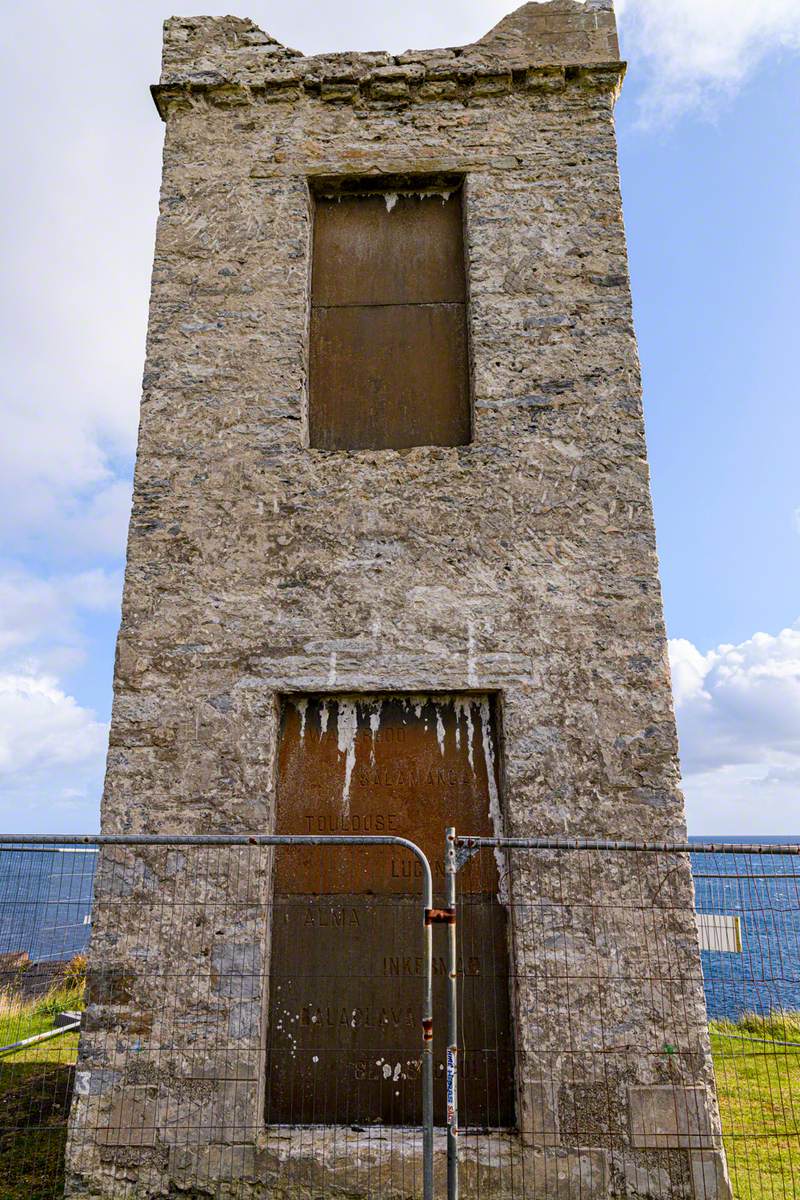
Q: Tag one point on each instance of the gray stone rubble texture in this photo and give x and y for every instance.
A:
(523, 564)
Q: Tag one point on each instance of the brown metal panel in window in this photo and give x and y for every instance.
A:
(388, 362)
(389, 376)
(388, 249)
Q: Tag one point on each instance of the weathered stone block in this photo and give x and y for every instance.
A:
(667, 1115)
(710, 1176)
(538, 1118)
(339, 91)
(655, 1175)
(110, 985)
(393, 89)
(130, 1121)
(592, 1113)
(567, 1174)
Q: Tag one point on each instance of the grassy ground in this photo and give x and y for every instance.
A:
(22, 1017)
(35, 1089)
(758, 1083)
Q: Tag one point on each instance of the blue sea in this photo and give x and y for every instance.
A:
(46, 899)
(764, 892)
(46, 902)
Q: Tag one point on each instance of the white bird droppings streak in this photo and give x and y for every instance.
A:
(464, 708)
(440, 730)
(302, 707)
(470, 736)
(374, 726)
(347, 728)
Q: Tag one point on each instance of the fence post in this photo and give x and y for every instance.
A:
(427, 1035)
(450, 871)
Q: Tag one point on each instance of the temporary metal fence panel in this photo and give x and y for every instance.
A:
(589, 1078)
(237, 1042)
(657, 1049)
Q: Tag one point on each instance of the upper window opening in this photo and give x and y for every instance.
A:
(388, 364)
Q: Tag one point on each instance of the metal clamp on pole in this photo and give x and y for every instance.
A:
(450, 872)
(440, 916)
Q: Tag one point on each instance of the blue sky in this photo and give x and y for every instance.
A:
(710, 161)
(711, 208)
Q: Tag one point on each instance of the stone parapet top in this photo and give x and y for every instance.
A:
(231, 59)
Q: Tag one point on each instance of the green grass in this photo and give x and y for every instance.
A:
(35, 1089)
(758, 1086)
(34, 1104)
(20, 1019)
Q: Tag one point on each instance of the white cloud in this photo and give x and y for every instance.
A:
(77, 251)
(693, 51)
(41, 726)
(95, 525)
(52, 753)
(40, 616)
(738, 710)
(796, 519)
(52, 748)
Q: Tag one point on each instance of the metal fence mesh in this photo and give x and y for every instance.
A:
(45, 902)
(247, 1037)
(234, 1040)
(615, 1092)
(753, 999)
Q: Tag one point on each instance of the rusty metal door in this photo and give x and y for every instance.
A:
(345, 976)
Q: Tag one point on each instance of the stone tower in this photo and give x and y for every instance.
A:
(392, 565)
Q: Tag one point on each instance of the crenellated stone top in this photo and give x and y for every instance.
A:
(540, 44)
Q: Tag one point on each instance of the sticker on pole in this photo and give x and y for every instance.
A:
(451, 1084)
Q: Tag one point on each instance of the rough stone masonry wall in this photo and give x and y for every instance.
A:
(522, 564)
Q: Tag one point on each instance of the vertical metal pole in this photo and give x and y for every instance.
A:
(427, 1035)
(450, 872)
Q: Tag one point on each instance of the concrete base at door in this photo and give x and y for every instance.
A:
(338, 1163)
